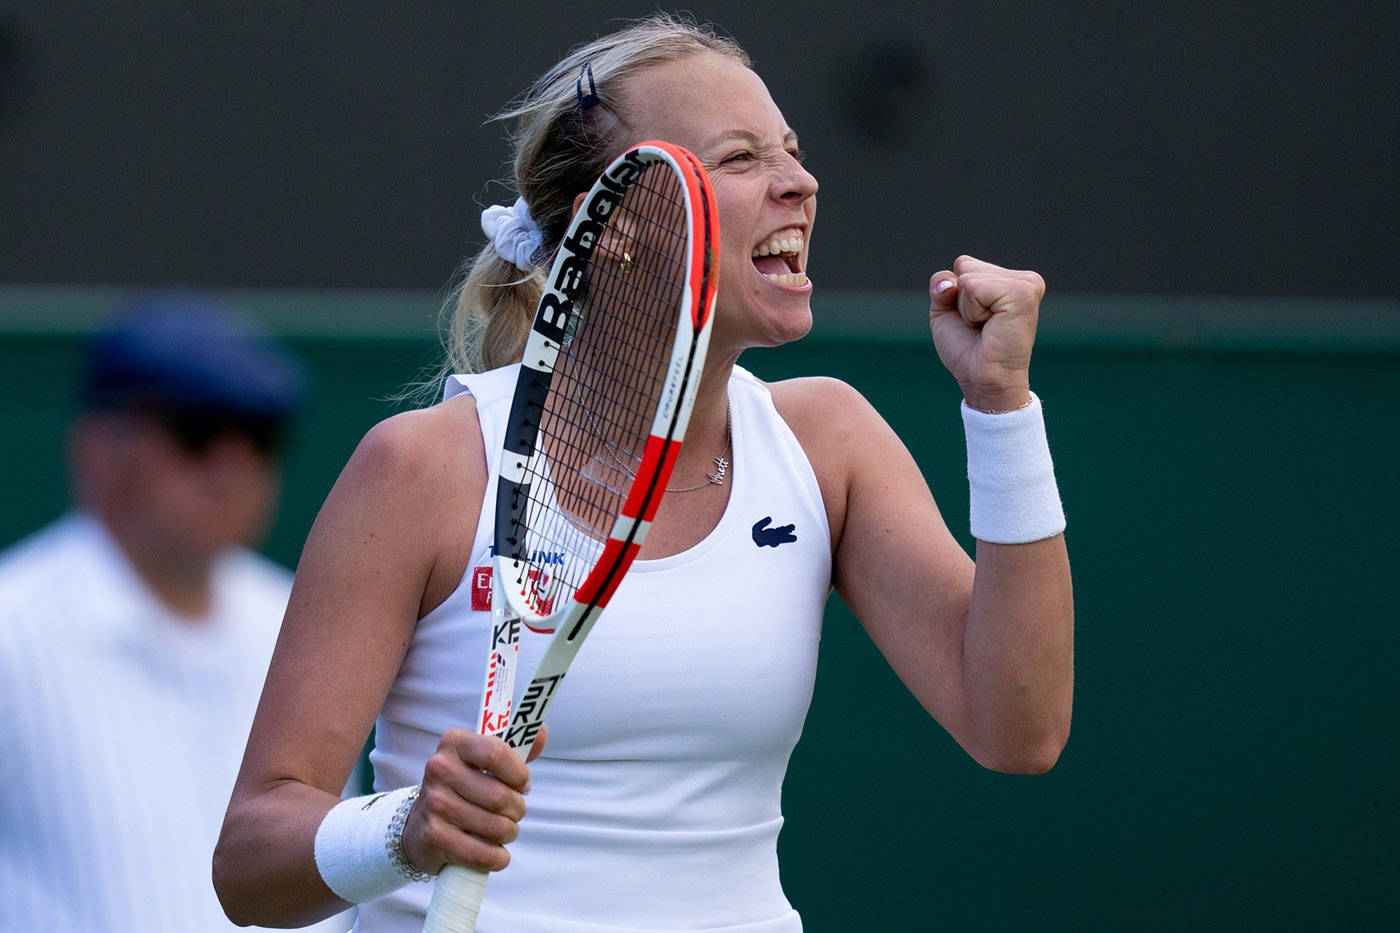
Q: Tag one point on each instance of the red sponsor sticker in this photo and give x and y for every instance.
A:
(495, 705)
(481, 589)
(538, 590)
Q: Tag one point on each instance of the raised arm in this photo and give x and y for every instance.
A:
(986, 647)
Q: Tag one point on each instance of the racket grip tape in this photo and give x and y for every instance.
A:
(457, 896)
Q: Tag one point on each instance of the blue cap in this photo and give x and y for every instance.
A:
(189, 352)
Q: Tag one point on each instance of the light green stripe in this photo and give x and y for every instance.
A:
(1170, 322)
(1142, 321)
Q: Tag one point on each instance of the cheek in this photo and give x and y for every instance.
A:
(239, 490)
(736, 276)
(244, 510)
(737, 219)
(736, 259)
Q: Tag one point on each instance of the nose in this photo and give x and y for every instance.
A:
(795, 183)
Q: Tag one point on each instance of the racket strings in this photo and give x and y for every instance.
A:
(607, 385)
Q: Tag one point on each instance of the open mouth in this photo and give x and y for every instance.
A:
(779, 258)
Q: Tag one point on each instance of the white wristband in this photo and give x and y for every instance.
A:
(358, 848)
(1013, 496)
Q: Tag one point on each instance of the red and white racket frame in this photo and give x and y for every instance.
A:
(458, 891)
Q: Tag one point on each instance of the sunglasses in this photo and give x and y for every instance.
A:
(196, 429)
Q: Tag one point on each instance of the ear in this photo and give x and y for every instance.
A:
(578, 202)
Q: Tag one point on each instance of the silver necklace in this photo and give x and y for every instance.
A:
(598, 470)
(721, 464)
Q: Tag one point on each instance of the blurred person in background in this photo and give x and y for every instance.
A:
(135, 631)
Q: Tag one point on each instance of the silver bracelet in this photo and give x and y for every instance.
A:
(393, 841)
(355, 852)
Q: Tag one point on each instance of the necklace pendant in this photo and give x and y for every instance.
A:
(721, 467)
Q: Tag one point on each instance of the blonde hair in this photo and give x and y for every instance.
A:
(560, 148)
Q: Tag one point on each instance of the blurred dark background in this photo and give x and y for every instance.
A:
(1211, 191)
(1184, 147)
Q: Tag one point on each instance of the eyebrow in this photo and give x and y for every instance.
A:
(789, 138)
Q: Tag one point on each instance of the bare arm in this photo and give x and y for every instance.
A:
(389, 544)
(986, 647)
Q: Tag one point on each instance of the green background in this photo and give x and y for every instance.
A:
(1227, 469)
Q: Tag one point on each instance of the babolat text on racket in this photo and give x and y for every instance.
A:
(605, 390)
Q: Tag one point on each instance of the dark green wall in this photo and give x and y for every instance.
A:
(1232, 763)
(1232, 507)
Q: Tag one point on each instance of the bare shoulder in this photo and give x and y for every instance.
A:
(834, 423)
(824, 412)
(411, 496)
(429, 445)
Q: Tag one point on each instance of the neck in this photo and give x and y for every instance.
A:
(712, 399)
(707, 437)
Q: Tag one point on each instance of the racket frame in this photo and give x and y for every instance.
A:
(458, 891)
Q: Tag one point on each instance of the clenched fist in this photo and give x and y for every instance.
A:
(983, 320)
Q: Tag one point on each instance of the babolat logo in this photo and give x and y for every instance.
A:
(624, 172)
(557, 304)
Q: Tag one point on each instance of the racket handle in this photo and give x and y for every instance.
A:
(457, 895)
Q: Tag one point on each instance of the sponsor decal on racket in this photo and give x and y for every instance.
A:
(600, 407)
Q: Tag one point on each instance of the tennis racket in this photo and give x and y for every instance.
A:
(600, 408)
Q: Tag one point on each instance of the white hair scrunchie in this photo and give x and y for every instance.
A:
(513, 233)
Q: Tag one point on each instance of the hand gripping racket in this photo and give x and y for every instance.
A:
(604, 394)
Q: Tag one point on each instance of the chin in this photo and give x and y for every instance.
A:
(787, 327)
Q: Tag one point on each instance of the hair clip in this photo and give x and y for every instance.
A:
(586, 100)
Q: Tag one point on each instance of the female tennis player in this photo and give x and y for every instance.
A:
(654, 802)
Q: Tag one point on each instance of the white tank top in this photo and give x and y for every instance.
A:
(656, 803)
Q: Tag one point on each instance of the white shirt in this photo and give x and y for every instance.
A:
(656, 805)
(121, 732)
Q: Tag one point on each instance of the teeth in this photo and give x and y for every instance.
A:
(786, 242)
(794, 279)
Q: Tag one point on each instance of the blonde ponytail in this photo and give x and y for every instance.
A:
(491, 313)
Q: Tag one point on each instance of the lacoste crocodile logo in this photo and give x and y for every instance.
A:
(764, 536)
